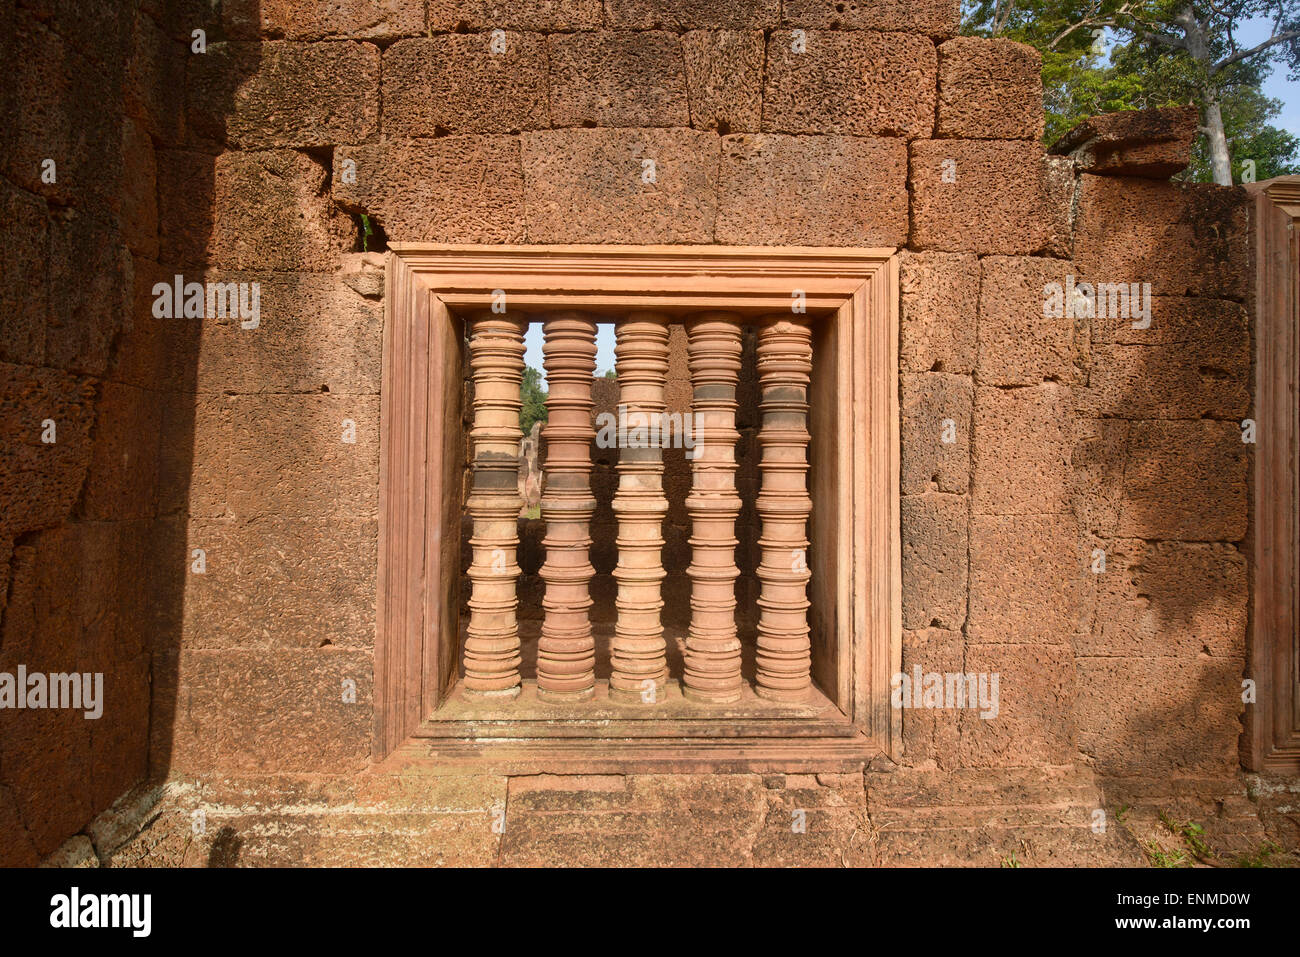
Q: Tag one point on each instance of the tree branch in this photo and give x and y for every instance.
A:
(1260, 48)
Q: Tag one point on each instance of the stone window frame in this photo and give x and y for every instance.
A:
(856, 292)
(1272, 738)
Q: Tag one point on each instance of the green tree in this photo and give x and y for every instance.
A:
(534, 400)
(1166, 53)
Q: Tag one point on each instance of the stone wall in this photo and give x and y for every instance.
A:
(803, 122)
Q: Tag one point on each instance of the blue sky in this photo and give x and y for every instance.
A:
(604, 347)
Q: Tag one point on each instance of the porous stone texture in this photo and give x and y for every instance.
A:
(540, 15)
(937, 312)
(322, 19)
(1154, 144)
(602, 186)
(1022, 448)
(458, 83)
(1001, 198)
(859, 83)
(617, 79)
(724, 77)
(1020, 342)
(827, 190)
(453, 189)
(1183, 239)
(690, 14)
(939, 18)
(935, 555)
(990, 89)
(936, 433)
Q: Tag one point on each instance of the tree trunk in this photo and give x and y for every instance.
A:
(1220, 161)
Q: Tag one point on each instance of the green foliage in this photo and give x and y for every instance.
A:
(611, 374)
(534, 400)
(1148, 65)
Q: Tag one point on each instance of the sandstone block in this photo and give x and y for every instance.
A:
(1185, 481)
(1193, 362)
(940, 299)
(454, 189)
(1154, 144)
(1023, 441)
(1099, 459)
(935, 534)
(821, 190)
(455, 83)
(1019, 344)
(931, 734)
(1185, 239)
(936, 416)
(123, 479)
(938, 18)
(281, 94)
(23, 279)
(724, 76)
(1168, 599)
(621, 79)
(322, 19)
(91, 268)
(990, 89)
(1001, 198)
(543, 16)
(679, 15)
(1035, 705)
(860, 83)
(234, 458)
(255, 210)
(1026, 579)
(623, 186)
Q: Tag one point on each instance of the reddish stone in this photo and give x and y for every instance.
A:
(1019, 342)
(990, 89)
(322, 19)
(724, 75)
(678, 15)
(1023, 440)
(938, 18)
(1154, 144)
(935, 407)
(935, 540)
(617, 79)
(937, 313)
(1026, 579)
(859, 83)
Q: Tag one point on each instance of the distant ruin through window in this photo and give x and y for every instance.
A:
(717, 588)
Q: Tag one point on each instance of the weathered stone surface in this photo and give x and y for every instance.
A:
(860, 83)
(1001, 198)
(1097, 479)
(138, 204)
(467, 189)
(283, 94)
(1035, 699)
(1026, 579)
(681, 15)
(647, 820)
(545, 16)
(41, 481)
(1186, 239)
(937, 317)
(1185, 481)
(1019, 343)
(322, 19)
(122, 482)
(154, 86)
(596, 186)
(1023, 440)
(1168, 599)
(235, 458)
(312, 334)
(455, 84)
(76, 852)
(940, 18)
(276, 583)
(618, 79)
(724, 76)
(255, 210)
(935, 407)
(1153, 716)
(261, 710)
(23, 278)
(820, 190)
(91, 270)
(930, 734)
(1154, 144)
(935, 545)
(990, 89)
(1192, 362)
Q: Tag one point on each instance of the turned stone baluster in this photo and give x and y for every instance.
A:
(713, 351)
(784, 505)
(638, 653)
(566, 652)
(496, 359)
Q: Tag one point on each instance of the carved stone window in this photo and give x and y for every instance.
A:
(807, 686)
